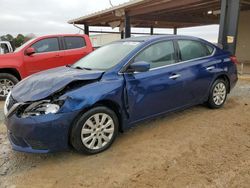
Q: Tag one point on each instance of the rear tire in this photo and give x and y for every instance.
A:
(95, 130)
(218, 94)
(7, 82)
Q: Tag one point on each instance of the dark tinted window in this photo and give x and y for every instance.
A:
(46, 45)
(192, 49)
(74, 42)
(158, 55)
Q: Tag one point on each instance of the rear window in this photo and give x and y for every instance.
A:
(74, 42)
(190, 49)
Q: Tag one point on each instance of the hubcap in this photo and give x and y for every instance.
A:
(219, 93)
(97, 131)
(5, 87)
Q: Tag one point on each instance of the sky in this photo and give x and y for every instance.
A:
(43, 17)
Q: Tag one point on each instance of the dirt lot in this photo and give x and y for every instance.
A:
(197, 147)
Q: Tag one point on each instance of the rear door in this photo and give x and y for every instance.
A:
(197, 66)
(48, 55)
(75, 48)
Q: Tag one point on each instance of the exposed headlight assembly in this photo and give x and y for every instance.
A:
(6, 104)
(42, 108)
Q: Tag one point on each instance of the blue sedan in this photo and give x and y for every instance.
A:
(86, 104)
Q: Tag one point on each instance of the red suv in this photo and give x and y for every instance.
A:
(40, 54)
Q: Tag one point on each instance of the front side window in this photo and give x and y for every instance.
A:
(192, 49)
(46, 45)
(74, 42)
(158, 55)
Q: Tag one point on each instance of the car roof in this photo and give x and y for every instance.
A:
(59, 35)
(157, 37)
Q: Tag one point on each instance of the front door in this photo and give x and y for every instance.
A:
(160, 89)
(48, 55)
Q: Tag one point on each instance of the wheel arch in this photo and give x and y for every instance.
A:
(106, 103)
(226, 79)
(11, 71)
(114, 107)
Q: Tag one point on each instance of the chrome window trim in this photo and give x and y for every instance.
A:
(178, 63)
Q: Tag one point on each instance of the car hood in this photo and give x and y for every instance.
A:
(45, 83)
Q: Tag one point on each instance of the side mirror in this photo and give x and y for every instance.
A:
(30, 51)
(140, 66)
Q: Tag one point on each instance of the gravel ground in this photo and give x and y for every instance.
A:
(197, 147)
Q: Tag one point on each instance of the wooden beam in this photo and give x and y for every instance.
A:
(177, 19)
(162, 6)
(164, 24)
(213, 4)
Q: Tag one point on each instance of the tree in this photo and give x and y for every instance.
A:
(19, 40)
(9, 37)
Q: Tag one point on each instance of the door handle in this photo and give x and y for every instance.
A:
(174, 76)
(210, 68)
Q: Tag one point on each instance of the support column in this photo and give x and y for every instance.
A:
(122, 34)
(127, 26)
(86, 29)
(175, 30)
(230, 10)
(151, 30)
(223, 10)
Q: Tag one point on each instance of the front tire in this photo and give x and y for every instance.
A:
(7, 82)
(95, 130)
(218, 94)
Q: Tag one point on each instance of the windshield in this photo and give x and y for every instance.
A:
(107, 56)
(25, 44)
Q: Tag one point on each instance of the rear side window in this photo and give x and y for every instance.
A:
(210, 49)
(74, 42)
(46, 45)
(158, 55)
(192, 49)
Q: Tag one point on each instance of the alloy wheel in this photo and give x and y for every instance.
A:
(97, 131)
(6, 86)
(219, 93)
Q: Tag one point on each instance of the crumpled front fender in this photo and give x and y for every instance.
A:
(88, 95)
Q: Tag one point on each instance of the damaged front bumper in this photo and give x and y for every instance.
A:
(40, 134)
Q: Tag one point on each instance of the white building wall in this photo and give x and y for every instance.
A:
(102, 39)
(243, 41)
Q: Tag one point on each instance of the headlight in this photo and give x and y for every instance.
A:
(6, 104)
(42, 108)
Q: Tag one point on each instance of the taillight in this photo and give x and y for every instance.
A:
(234, 59)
